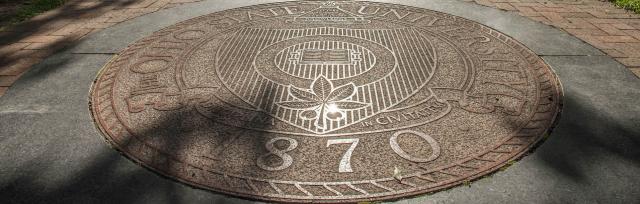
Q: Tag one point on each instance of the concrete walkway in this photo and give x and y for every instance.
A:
(51, 152)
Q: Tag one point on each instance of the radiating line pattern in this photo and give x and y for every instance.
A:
(135, 133)
(307, 60)
(415, 62)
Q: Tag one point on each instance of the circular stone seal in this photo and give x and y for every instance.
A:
(325, 101)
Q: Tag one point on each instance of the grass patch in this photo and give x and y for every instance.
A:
(34, 7)
(633, 5)
(27, 9)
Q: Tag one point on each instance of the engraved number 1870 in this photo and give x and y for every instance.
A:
(345, 162)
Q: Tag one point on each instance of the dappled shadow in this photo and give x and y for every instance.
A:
(8, 9)
(585, 136)
(108, 178)
(100, 182)
(53, 20)
(46, 34)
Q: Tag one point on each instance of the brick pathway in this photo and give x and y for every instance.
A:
(28, 43)
(599, 23)
(613, 30)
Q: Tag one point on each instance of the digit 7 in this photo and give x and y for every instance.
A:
(345, 162)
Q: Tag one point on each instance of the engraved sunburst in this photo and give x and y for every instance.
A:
(322, 101)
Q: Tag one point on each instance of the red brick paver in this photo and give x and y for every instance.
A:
(26, 44)
(613, 30)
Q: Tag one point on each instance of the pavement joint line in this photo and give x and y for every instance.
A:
(95, 53)
(544, 55)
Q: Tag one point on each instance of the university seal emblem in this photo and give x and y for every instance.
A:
(325, 101)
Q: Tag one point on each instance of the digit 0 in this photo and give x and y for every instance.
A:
(393, 141)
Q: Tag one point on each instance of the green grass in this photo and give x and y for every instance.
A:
(35, 7)
(28, 9)
(633, 5)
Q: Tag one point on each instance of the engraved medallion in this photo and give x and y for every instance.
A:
(325, 101)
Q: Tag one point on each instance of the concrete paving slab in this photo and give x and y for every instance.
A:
(55, 85)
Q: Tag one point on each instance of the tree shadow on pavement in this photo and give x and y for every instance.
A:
(110, 178)
(584, 138)
(27, 43)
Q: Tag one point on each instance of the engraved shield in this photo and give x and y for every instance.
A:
(322, 79)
